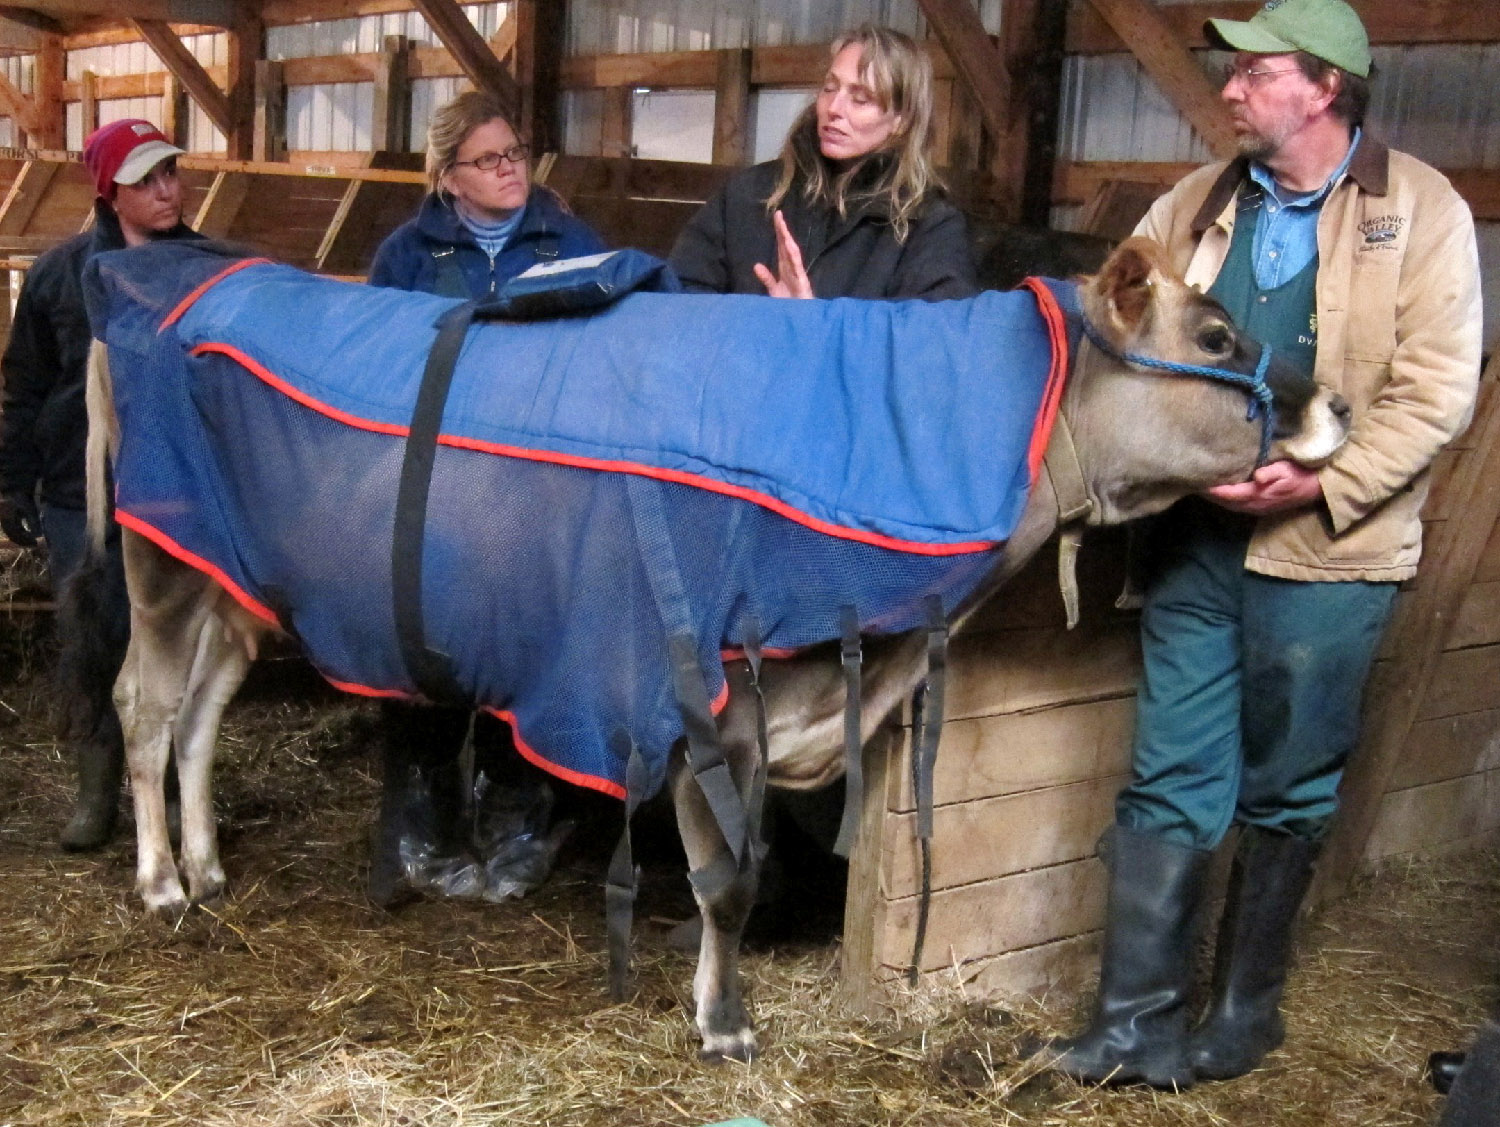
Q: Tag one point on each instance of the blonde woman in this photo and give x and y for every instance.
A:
(483, 222)
(852, 207)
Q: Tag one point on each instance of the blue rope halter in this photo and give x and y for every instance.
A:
(1255, 385)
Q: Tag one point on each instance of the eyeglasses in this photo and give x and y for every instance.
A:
(1252, 77)
(488, 162)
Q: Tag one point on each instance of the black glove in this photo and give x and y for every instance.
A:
(19, 519)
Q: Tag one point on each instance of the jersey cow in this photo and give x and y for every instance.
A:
(595, 526)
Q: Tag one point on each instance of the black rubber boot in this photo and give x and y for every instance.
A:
(101, 769)
(1267, 882)
(513, 834)
(419, 843)
(1139, 1031)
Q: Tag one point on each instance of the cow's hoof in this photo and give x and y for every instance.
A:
(168, 907)
(738, 1046)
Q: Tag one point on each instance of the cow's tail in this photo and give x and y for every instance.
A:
(103, 441)
(89, 625)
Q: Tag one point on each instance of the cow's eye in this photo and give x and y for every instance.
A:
(1215, 338)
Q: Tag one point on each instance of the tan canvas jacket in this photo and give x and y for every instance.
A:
(1399, 334)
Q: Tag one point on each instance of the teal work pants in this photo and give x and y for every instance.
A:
(1250, 699)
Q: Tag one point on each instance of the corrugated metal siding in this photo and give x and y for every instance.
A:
(21, 71)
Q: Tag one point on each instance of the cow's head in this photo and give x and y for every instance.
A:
(1153, 419)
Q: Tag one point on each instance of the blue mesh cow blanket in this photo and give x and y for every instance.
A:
(672, 466)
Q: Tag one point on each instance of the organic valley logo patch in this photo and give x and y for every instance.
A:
(1382, 230)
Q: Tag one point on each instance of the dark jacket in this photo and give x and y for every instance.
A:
(856, 256)
(412, 256)
(44, 426)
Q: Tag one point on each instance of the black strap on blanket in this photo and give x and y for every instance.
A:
(705, 756)
(431, 671)
(623, 879)
(750, 632)
(854, 760)
(927, 729)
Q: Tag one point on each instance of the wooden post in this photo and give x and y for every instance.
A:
(1033, 34)
(49, 124)
(541, 28)
(270, 110)
(391, 120)
(615, 122)
(732, 108)
(174, 111)
(89, 98)
(246, 46)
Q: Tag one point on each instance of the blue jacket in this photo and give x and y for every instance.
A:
(412, 257)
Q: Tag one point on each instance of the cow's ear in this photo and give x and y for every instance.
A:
(1127, 279)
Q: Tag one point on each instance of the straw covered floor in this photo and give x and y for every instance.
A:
(295, 1002)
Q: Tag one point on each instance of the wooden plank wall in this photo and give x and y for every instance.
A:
(1443, 793)
(1034, 749)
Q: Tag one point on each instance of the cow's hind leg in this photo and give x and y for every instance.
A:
(722, 1019)
(223, 655)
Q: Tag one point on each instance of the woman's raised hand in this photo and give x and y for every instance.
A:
(790, 279)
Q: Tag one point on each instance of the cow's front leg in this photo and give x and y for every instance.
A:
(219, 665)
(722, 1019)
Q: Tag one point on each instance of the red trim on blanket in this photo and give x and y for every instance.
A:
(774, 653)
(1057, 375)
(682, 477)
(567, 774)
(172, 548)
(203, 287)
(366, 690)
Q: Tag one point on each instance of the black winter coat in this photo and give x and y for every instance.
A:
(856, 256)
(44, 426)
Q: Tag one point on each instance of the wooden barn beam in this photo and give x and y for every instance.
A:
(732, 108)
(270, 111)
(221, 205)
(213, 13)
(541, 32)
(1387, 21)
(18, 33)
(1032, 41)
(247, 44)
(175, 56)
(88, 101)
(391, 118)
(615, 122)
(174, 111)
(48, 128)
(1167, 60)
(471, 52)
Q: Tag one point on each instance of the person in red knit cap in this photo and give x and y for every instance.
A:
(43, 429)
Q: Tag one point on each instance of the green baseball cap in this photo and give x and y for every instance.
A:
(1327, 29)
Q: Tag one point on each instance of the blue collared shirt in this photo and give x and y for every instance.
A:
(1286, 235)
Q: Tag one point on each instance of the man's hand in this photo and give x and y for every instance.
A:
(790, 279)
(19, 520)
(1273, 488)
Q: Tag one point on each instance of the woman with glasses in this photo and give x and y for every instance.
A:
(852, 207)
(483, 223)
